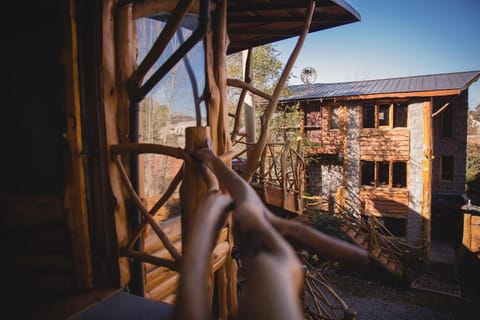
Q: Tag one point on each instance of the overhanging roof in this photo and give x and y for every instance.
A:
(251, 23)
(417, 86)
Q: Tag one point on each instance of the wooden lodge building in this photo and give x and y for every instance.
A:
(396, 148)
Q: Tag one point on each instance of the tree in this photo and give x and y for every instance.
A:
(266, 65)
(474, 121)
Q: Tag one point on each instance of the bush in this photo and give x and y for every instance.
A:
(330, 225)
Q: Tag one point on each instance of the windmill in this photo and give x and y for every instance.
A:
(308, 75)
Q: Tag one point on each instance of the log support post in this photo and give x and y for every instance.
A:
(427, 180)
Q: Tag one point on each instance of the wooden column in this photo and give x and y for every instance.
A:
(427, 179)
(75, 198)
(193, 188)
(116, 130)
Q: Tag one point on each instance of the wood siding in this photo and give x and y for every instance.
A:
(38, 255)
(321, 138)
(385, 203)
(384, 144)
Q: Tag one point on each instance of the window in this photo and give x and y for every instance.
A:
(446, 167)
(368, 173)
(400, 114)
(383, 115)
(399, 175)
(447, 122)
(335, 117)
(391, 115)
(384, 174)
(369, 116)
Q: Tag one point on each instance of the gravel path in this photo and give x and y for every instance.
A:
(373, 300)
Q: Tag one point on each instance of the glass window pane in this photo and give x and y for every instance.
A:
(369, 116)
(400, 114)
(384, 114)
(383, 173)
(368, 173)
(399, 175)
(174, 102)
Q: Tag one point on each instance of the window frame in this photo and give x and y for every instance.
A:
(376, 109)
(376, 177)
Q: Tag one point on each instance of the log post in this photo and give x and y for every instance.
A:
(427, 180)
(115, 131)
(75, 198)
(467, 231)
(193, 187)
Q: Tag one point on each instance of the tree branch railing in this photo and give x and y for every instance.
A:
(379, 236)
(272, 267)
(118, 153)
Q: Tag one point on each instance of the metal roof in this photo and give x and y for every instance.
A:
(427, 85)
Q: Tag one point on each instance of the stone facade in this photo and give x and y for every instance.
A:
(414, 173)
(353, 154)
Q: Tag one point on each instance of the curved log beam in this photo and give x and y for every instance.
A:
(254, 156)
(192, 300)
(140, 148)
(296, 232)
(274, 276)
(243, 85)
(145, 214)
(161, 43)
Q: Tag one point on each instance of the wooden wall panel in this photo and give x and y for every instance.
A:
(385, 203)
(381, 144)
(317, 130)
(38, 255)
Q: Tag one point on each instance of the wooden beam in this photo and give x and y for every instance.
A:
(427, 179)
(252, 162)
(115, 131)
(75, 198)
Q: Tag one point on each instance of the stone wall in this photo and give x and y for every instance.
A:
(324, 177)
(414, 172)
(352, 156)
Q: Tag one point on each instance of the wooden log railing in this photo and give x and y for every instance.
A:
(273, 272)
(249, 215)
(282, 167)
(280, 177)
(118, 153)
(386, 248)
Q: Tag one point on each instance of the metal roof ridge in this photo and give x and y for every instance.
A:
(387, 79)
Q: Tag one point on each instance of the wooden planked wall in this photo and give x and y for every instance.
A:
(317, 130)
(385, 203)
(384, 145)
(37, 252)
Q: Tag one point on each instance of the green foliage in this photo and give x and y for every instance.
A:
(267, 67)
(285, 125)
(328, 224)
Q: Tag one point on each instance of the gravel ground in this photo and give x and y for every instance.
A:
(374, 299)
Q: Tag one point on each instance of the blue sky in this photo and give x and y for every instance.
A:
(395, 39)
